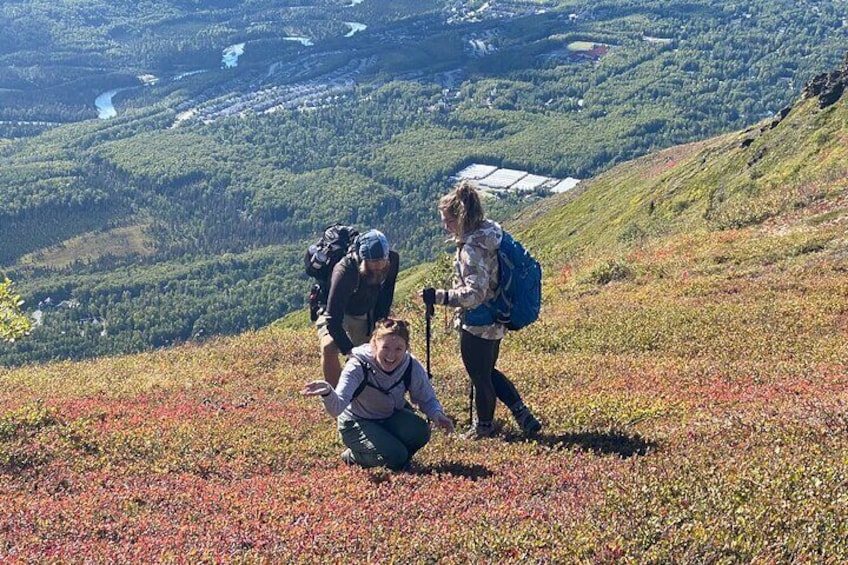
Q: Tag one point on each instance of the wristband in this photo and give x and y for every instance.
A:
(445, 299)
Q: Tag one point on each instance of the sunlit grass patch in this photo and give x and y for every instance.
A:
(117, 242)
(743, 492)
(581, 46)
(20, 430)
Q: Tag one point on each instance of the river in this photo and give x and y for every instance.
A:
(354, 28)
(105, 109)
(229, 60)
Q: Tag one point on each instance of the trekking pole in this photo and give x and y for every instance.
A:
(470, 403)
(428, 315)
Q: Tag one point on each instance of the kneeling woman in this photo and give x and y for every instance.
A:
(374, 420)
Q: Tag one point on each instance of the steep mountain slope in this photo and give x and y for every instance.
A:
(737, 180)
(690, 369)
(734, 247)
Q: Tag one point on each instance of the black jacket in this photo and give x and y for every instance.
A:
(348, 295)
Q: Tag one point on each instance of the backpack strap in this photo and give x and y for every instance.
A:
(322, 286)
(367, 369)
(407, 375)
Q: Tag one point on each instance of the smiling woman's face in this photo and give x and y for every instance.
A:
(389, 351)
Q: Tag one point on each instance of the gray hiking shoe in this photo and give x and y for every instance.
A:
(527, 421)
(479, 431)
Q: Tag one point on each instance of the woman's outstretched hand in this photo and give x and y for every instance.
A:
(317, 388)
(441, 421)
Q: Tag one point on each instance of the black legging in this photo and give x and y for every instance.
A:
(479, 356)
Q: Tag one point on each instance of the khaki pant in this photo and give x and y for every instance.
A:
(357, 330)
(356, 327)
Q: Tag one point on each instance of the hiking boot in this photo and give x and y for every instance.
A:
(527, 421)
(479, 431)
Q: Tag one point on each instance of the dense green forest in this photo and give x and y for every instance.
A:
(217, 176)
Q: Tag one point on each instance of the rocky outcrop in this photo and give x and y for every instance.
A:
(829, 87)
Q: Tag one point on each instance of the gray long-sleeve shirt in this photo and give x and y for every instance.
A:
(373, 404)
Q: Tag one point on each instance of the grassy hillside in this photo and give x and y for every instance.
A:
(690, 369)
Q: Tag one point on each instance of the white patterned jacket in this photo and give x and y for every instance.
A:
(476, 276)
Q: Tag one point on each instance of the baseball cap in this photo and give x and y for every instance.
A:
(373, 246)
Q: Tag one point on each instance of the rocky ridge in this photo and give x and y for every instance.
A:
(829, 87)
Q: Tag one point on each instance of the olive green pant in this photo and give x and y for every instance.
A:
(385, 443)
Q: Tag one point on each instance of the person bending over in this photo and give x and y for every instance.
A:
(361, 291)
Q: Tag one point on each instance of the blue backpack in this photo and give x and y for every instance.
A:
(518, 297)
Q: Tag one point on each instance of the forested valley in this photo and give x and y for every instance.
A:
(186, 214)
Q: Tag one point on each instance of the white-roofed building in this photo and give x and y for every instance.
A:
(476, 172)
(529, 183)
(494, 181)
(503, 178)
(565, 185)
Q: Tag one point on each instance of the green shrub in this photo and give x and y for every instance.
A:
(609, 271)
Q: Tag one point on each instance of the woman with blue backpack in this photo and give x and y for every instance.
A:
(475, 284)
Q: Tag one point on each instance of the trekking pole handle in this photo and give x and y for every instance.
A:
(428, 295)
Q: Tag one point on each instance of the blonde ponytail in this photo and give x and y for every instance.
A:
(464, 204)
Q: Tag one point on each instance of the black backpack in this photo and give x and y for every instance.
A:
(336, 242)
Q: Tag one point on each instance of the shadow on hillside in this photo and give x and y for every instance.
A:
(472, 472)
(599, 443)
